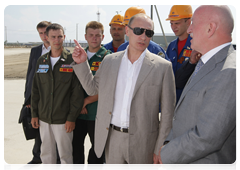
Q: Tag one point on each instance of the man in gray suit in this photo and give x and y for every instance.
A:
(204, 122)
(130, 85)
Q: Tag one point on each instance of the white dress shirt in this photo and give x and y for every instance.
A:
(45, 50)
(127, 77)
(212, 52)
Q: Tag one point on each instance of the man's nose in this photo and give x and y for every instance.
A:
(143, 35)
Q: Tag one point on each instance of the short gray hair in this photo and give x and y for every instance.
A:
(139, 15)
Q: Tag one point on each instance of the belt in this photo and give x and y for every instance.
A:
(125, 130)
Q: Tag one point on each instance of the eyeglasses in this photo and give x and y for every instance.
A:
(139, 31)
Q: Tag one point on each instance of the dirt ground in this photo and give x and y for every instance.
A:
(16, 62)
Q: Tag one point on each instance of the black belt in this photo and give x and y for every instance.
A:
(119, 128)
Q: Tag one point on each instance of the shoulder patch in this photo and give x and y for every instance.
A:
(161, 54)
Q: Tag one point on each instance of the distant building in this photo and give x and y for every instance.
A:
(159, 39)
(70, 43)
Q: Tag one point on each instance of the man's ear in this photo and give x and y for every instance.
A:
(212, 29)
(126, 30)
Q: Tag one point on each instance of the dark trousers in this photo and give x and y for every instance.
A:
(37, 150)
(82, 128)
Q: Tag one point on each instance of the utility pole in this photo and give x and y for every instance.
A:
(98, 14)
(77, 31)
(152, 12)
(161, 26)
(6, 34)
(152, 16)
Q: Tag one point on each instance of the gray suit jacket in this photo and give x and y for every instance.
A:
(155, 84)
(204, 123)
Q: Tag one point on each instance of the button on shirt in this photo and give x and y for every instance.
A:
(45, 50)
(127, 77)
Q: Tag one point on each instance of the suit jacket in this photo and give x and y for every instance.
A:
(34, 55)
(155, 84)
(204, 123)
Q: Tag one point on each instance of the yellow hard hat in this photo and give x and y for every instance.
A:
(131, 12)
(180, 11)
(117, 19)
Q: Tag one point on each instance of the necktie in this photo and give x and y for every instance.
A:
(197, 68)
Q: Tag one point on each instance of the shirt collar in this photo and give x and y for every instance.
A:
(139, 59)
(44, 48)
(212, 52)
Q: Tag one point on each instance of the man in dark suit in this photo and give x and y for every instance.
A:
(36, 52)
(204, 122)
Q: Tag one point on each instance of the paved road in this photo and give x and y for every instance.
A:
(16, 149)
(13, 51)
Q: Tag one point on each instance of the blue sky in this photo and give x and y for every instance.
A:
(21, 20)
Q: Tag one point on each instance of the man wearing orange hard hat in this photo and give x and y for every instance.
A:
(179, 50)
(117, 31)
(152, 47)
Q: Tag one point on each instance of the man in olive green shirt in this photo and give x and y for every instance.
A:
(85, 123)
(57, 99)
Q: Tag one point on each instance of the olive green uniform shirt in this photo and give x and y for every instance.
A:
(94, 64)
(57, 95)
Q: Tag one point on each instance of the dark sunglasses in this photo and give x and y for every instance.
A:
(139, 31)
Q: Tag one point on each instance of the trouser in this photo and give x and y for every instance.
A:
(117, 147)
(37, 151)
(82, 128)
(52, 134)
(36, 148)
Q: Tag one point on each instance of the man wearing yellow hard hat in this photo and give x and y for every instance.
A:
(117, 31)
(179, 50)
(152, 47)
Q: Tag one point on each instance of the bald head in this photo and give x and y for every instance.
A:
(211, 26)
(219, 14)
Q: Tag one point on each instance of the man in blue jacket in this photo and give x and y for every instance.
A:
(179, 50)
(117, 31)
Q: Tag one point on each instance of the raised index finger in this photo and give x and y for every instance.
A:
(77, 44)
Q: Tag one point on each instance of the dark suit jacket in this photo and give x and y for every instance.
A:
(34, 55)
(183, 73)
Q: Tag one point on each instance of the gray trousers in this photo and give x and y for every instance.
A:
(52, 134)
(117, 147)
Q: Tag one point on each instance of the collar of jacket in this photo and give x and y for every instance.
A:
(99, 53)
(63, 56)
(176, 41)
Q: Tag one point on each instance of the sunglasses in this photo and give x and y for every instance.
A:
(139, 31)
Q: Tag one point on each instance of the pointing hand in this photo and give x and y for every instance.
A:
(79, 55)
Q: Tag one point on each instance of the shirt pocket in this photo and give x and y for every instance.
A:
(65, 77)
(42, 77)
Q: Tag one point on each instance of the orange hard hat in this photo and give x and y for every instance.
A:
(180, 11)
(131, 12)
(117, 19)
